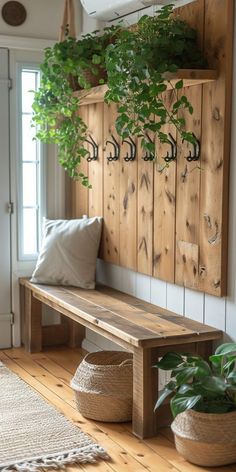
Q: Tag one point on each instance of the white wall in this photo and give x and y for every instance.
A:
(43, 20)
(217, 312)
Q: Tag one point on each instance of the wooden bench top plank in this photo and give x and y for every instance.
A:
(158, 325)
(161, 312)
(130, 319)
(95, 315)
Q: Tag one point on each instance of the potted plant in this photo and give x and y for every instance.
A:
(134, 62)
(203, 404)
(68, 66)
(137, 66)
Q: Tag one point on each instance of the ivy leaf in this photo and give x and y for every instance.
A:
(190, 109)
(179, 84)
(96, 59)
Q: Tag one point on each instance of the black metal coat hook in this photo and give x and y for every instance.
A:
(173, 143)
(149, 156)
(133, 149)
(94, 157)
(116, 146)
(196, 150)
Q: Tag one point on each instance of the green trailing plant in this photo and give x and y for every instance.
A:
(68, 66)
(134, 63)
(137, 66)
(208, 387)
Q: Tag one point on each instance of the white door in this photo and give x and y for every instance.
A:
(5, 207)
(25, 182)
(37, 182)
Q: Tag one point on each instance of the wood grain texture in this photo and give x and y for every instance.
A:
(145, 386)
(216, 148)
(128, 210)
(95, 116)
(188, 174)
(33, 321)
(110, 313)
(188, 198)
(77, 333)
(145, 214)
(194, 14)
(111, 229)
(172, 225)
(164, 208)
(190, 77)
(79, 194)
(54, 335)
(187, 263)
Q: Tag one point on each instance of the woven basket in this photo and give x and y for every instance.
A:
(206, 439)
(103, 385)
(92, 79)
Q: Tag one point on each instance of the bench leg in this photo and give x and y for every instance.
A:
(33, 322)
(76, 334)
(145, 393)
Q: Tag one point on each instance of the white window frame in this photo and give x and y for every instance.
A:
(41, 192)
(29, 52)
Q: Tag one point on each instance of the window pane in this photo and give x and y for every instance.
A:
(29, 185)
(28, 83)
(30, 169)
(29, 231)
(29, 147)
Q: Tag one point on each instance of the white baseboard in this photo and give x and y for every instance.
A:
(90, 347)
(99, 343)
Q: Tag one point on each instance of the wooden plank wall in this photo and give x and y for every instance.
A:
(145, 220)
(170, 225)
(188, 176)
(165, 209)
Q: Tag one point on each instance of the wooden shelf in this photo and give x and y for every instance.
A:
(190, 77)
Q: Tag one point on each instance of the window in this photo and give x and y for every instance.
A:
(30, 169)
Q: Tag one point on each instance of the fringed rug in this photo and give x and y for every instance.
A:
(35, 436)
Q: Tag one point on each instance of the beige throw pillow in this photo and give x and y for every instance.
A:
(69, 252)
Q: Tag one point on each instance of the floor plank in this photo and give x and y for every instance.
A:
(50, 372)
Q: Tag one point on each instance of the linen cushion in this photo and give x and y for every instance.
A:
(69, 251)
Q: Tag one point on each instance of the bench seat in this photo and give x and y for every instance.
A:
(144, 329)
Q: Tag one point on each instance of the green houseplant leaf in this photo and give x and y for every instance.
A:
(137, 65)
(203, 386)
(134, 63)
(68, 66)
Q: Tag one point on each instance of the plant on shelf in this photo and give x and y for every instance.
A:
(203, 401)
(68, 66)
(134, 62)
(137, 66)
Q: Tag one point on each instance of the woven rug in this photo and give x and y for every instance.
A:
(34, 435)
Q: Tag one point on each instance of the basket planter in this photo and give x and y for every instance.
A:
(93, 80)
(103, 385)
(206, 439)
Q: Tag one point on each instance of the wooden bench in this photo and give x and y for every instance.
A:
(142, 328)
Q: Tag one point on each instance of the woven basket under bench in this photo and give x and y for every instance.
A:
(103, 385)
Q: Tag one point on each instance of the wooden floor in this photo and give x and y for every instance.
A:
(50, 372)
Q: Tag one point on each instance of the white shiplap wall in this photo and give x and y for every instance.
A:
(217, 312)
